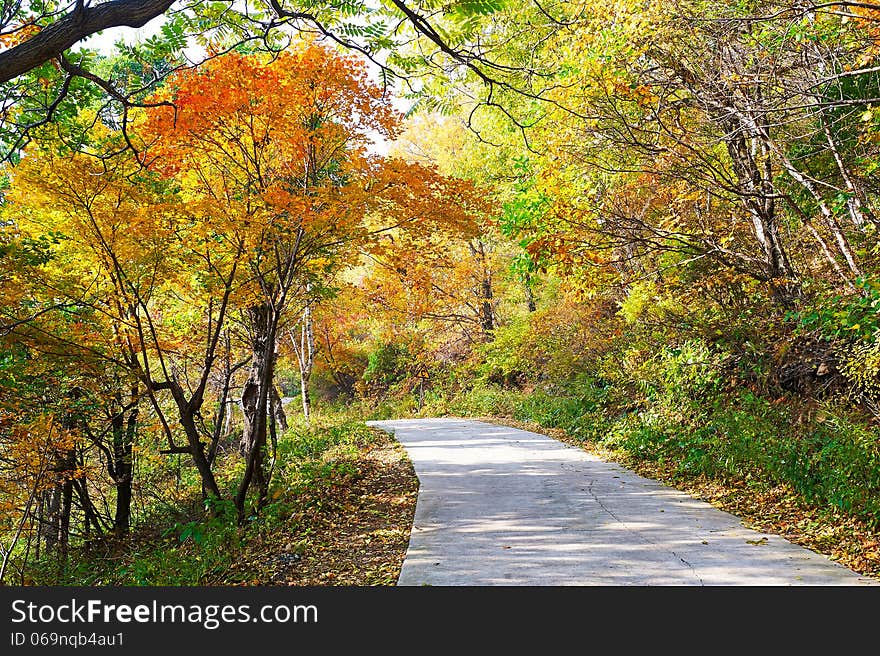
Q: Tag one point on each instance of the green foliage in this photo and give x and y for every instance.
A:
(205, 545)
(645, 301)
(30, 252)
(504, 358)
(523, 213)
(314, 459)
(860, 366)
(679, 375)
(848, 317)
(831, 459)
(387, 364)
(476, 7)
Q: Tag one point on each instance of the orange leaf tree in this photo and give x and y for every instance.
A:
(129, 293)
(275, 152)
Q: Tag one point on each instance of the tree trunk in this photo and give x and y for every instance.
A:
(55, 528)
(66, 505)
(278, 414)
(90, 513)
(56, 505)
(255, 404)
(827, 215)
(486, 295)
(530, 296)
(305, 355)
(124, 431)
(855, 203)
(305, 375)
(50, 505)
(752, 165)
(223, 415)
(196, 449)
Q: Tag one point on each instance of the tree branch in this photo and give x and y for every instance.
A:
(80, 23)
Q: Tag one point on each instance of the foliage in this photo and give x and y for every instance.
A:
(845, 316)
(207, 550)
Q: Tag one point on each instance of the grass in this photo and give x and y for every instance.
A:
(340, 513)
(344, 494)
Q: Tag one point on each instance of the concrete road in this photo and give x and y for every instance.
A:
(502, 506)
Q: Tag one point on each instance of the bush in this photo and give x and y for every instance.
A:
(388, 364)
(199, 548)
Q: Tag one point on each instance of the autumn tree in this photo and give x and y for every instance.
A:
(270, 148)
(277, 149)
(150, 284)
(342, 324)
(60, 386)
(673, 130)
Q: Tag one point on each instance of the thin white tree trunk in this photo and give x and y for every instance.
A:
(827, 215)
(304, 347)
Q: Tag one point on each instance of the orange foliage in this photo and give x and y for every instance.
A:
(19, 34)
(264, 149)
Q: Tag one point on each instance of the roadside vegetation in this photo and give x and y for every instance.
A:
(340, 514)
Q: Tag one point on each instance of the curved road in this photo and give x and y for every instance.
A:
(502, 506)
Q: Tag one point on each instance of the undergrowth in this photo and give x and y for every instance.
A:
(204, 545)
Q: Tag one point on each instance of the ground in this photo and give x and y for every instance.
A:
(361, 534)
(349, 525)
(354, 534)
(354, 530)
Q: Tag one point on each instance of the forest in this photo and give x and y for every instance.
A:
(648, 229)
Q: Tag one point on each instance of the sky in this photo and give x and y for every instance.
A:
(104, 41)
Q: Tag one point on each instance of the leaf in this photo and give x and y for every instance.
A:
(466, 8)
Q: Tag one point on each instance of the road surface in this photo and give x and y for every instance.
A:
(502, 506)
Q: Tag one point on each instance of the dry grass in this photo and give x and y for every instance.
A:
(355, 534)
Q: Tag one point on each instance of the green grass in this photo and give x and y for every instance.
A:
(198, 548)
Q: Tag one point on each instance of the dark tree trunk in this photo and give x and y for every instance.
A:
(530, 296)
(50, 505)
(187, 411)
(56, 504)
(124, 431)
(66, 505)
(91, 517)
(485, 293)
(255, 404)
(58, 499)
(200, 459)
(72, 28)
(278, 414)
(122, 517)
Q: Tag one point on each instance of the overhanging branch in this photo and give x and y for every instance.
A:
(80, 23)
